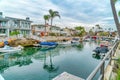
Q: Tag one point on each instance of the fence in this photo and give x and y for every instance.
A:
(101, 66)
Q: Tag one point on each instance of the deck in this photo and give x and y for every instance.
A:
(67, 76)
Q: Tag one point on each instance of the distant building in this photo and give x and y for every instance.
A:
(37, 29)
(96, 29)
(55, 29)
(9, 24)
(68, 32)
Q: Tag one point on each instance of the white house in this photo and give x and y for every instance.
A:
(9, 24)
(37, 29)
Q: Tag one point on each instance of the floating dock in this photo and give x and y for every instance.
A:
(67, 76)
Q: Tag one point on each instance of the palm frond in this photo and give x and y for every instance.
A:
(47, 17)
(56, 15)
(51, 11)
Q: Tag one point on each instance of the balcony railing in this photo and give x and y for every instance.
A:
(3, 26)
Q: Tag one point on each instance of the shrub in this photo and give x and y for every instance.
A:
(52, 34)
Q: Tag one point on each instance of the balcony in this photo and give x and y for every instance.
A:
(25, 28)
(3, 26)
(2, 34)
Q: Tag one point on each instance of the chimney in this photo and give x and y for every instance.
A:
(1, 14)
(27, 18)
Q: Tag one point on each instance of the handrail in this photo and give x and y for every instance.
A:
(102, 64)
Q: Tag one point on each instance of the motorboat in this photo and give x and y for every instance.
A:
(36, 45)
(104, 43)
(47, 48)
(65, 42)
(103, 49)
(75, 40)
(8, 49)
(87, 39)
(48, 44)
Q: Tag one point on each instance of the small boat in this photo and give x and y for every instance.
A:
(75, 40)
(36, 45)
(87, 39)
(48, 44)
(64, 42)
(104, 43)
(103, 49)
(47, 49)
(8, 49)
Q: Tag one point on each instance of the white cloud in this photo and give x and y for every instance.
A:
(73, 12)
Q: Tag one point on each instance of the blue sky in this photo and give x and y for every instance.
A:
(73, 12)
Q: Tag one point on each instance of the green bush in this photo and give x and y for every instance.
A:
(15, 32)
(117, 69)
(52, 34)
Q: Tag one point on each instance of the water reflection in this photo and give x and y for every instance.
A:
(96, 56)
(30, 54)
(21, 59)
(49, 67)
(80, 46)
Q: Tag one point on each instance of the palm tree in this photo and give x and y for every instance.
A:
(119, 13)
(98, 26)
(53, 14)
(115, 15)
(46, 18)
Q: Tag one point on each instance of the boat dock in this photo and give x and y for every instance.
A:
(104, 70)
(50, 38)
(67, 76)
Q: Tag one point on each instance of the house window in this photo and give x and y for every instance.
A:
(2, 30)
(0, 24)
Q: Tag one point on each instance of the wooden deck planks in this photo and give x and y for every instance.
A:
(67, 76)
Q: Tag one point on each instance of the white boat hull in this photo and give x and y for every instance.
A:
(9, 51)
(65, 43)
(47, 46)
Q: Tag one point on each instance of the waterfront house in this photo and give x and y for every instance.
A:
(96, 29)
(9, 24)
(55, 29)
(37, 29)
(67, 32)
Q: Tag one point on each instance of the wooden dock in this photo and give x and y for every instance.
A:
(67, 76)
(1, 78)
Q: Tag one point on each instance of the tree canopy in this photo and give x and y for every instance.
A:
(81, 30)
(53, 14)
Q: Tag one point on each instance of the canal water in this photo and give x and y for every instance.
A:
(44, 64)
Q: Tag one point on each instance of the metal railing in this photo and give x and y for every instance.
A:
(101, 66)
